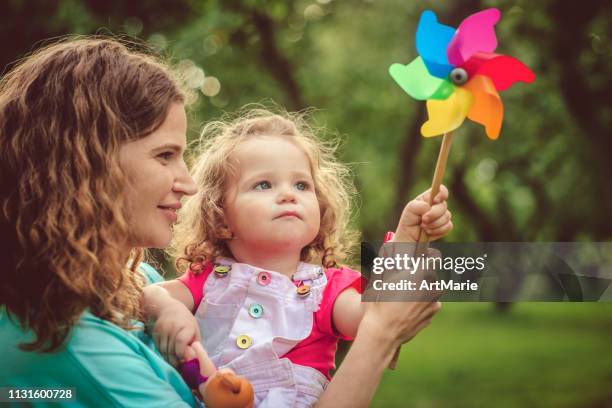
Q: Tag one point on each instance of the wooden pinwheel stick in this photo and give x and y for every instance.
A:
(438, 176)
(423, 240)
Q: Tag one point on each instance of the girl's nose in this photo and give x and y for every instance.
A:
(286, 196)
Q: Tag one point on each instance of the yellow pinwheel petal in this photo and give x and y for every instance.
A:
(488, 109)
(448, 114)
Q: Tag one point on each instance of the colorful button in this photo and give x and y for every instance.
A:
(221, 271)
(256, 310)
(243, 341)
(303, 290)
(264, 278)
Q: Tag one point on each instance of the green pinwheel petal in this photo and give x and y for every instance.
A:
(418, 83)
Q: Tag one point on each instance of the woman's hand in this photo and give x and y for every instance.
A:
(399, 321)
(398, 314)
(418, 214)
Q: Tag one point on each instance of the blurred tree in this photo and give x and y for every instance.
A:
(546, 178)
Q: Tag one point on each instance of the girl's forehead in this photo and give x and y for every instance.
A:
(271, 146)
(259, 152)
(268, 140)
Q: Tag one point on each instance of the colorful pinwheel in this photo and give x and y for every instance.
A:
(458, 73)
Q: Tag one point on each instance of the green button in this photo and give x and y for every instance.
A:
(221, 271)
(256, 310)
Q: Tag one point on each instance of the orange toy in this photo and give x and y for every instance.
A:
(218, 388)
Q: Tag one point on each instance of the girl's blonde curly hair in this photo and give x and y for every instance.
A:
(201, 234)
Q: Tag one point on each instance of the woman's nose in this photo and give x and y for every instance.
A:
(184, 182)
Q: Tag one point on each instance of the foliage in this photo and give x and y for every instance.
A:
(541, 180)
(547, 178)
(540, 355)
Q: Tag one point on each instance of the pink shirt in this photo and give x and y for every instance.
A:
(319, 348)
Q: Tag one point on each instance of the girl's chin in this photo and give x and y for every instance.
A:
(288, 243)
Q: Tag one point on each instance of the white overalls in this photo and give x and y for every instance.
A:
(249, 317)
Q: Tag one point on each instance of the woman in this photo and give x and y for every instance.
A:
(91, 168)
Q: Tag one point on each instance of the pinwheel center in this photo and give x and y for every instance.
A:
(459, 76)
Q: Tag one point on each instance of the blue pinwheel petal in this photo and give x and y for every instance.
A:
(432, 39)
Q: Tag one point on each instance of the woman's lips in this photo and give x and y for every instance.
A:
(169, 213)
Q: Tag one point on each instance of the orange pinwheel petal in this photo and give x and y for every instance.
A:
(487, 109)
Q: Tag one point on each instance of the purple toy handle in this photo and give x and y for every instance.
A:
(190, 371)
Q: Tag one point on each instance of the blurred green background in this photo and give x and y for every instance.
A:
(548, 177)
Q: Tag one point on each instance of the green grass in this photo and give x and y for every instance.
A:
(536, 355)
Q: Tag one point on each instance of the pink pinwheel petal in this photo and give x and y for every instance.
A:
(475, 34)
(502, 69)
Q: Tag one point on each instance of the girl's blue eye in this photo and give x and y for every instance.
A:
(263, 185)
(302, 185)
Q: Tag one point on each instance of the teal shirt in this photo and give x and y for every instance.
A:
(106, 365)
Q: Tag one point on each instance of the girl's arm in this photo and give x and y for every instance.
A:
(436, 220)
(348, 312)
(163, 294)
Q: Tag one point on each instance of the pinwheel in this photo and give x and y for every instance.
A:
(458, 75)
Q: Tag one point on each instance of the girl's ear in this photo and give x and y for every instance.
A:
(225, 233)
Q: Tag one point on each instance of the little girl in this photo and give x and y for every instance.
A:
(261, 241)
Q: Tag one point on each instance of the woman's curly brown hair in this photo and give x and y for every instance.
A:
(201, 233)
(64, 113)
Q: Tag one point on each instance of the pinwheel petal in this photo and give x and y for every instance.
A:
(432, 39)
(475, 34)
(416, 81)
(448, 114)
(487, 109)
(502, 69)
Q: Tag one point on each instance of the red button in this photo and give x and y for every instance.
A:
(264, 278)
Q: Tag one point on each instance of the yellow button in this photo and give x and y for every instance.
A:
(243, 341)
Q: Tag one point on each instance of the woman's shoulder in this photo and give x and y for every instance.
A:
(103, 363)
(150, 273)
(69, 365)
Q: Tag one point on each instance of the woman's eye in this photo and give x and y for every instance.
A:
(263, 185)
(302, 185)
(166, 155)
